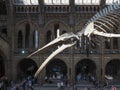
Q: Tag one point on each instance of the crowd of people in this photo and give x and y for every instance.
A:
(29, 81)
(56, 76)
(87, 77)
(12, 85)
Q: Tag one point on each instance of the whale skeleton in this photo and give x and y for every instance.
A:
(100, 25)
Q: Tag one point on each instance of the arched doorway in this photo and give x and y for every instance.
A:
(85, 68)
(113, 69)
(56, 69)
(2, 67)
(26, 67)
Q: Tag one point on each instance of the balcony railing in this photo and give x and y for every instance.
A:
(26, 8)
(55, 9)
(86, 9)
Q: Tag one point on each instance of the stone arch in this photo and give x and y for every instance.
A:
(54, 22)
(26, 67)
(55, 68)
(24, 22)
(21, 25)
(50, 26)
(85, 67)
(112, 69)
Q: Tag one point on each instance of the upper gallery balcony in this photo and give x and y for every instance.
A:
(26, 8)
(56, 9)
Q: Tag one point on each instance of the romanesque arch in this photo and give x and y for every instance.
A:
(113, 69)
(30, 34)
(25, 68)
(55, 24)
(84, 68)
(56, 68)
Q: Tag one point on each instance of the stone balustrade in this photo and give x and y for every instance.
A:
(56, 9)
(26, 8)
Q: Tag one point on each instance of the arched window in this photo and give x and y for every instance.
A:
(27, 35)
(49, 36)
(107, 43)
(3, 7)
(20, 39)
(115, 43)
(35, 39)
(56, 30)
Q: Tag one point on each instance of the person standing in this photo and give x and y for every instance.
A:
(58, 85)
(17, 87)
(113, 88)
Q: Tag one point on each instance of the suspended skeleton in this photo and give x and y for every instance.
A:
(100, 24)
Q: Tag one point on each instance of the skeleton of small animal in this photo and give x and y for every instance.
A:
(100, 24)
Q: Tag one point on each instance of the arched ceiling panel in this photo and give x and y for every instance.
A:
(26, 2)
(56, 2)
(87, 2)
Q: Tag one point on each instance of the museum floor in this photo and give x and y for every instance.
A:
(83, 85)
